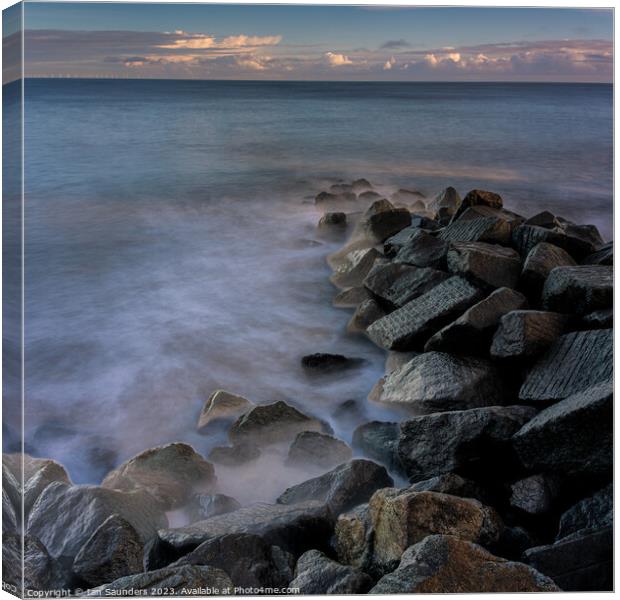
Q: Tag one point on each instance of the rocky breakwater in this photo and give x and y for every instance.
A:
(497, 330)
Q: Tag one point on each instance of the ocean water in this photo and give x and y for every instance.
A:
(171, 246)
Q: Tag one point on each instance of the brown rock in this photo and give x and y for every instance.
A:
(222, 405)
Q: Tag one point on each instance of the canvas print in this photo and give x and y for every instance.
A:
(306, 299)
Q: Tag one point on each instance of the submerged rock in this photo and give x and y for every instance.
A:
(222, 405)
(445, 564)
(315, 573)
(410, 326)
(318, 449)
(331, 220)
(435, 381)
(326, 363)
(342, 488)
(169, 473)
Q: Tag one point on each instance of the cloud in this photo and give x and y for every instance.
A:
(395, 45)
(201, 41)
(389, 63)
(337, 60)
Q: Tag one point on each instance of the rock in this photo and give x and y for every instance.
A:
(171, 474)
(450, 483)
(435, 381)
(10, 520)
(176, 581)
(525, 237)
(407, 196)
(38, 473)
(378, 441)
(401, 518)
(294, 528)
(395, 360)
(352, 297)
(524, 334)
(424, 222)
(364, 316)
(603, 256)
(589, 514)
(342, 488)
(533, 495)
(393, 244)
(471, 333)
(481, 211)
(272, 424)
(587, 233)
(396, 284)
(494, 230)
(410, 326)
(113, 550)
(203, 506)
(445, 564)
(317, 574)
(572, 437)
(353, 271)
(318, 449)
(352, 537)
(64, 517)
(542, 219)
(361, 185)
(327, 199)
(422, 250)
(574, 362)
(540, 261)
(580, 289)
(369, 196)
(383, 220)
(233, 456)
(479, 198)
(485, 264)
(326, 363)
(446, 203)
(599, 319)
(246, 558)
(469, 441)
(577, 563)
(341, 188)
(333, 220)
(222, 405)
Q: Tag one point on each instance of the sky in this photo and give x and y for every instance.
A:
(298, 42)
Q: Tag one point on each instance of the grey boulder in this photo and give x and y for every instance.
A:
(318, 449)
(579, 290)
(539, 262)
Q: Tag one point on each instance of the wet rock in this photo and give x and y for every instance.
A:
(401, 518)
(572, 437)
(232, 456)
(445, 564)
(450, 483)
(524, 334)
(540, 261)
(599, 319)
(533, 495)
(395, 360)
(331, 220)
(587, 233)
(176, 581)
(318, 449)
(378, 440)
(580, 289)
(272, 424)
(468, 441)
(410, 326)
(361, 185)
(364, 316)
(38, 473)
(577, 563)
(369, 196)
(542, 219)
(340, 188)
(407, 196)
(396, 284)
(603, 256)
(315, 573)
(326, 363)
(436, 381)
(203, 506)
(589, 514)
(64, 517)
(246, 558)
(481, 211)
(424, 222)
(525, 237)
(169, 473)
(393, 244)
(353, 271)
(383, 220)
(329, 200)
(353, 537)
(573, 363)
(422, 250)
(479, 198)
(485, 264)
(493, 230)
(342, 488)
(294, 528)
(222, 405)
(352, 297)
(471, 333)
(446, 203)
(113, 550)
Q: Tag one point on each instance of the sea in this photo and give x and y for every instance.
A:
(171, 246)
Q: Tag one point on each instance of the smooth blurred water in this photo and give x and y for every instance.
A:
(169, 228)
